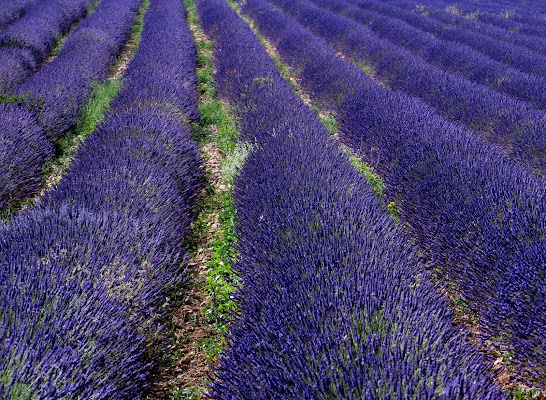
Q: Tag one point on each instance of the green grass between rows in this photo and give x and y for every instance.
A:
(217, 125)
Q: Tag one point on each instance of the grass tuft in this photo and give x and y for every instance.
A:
(366, 68)
(524, 394)
(93, 6)
(232, 164)
(136, 29)
(367, 171)
(216, 124)
(186, 394)
(98, 105)
(331, 124)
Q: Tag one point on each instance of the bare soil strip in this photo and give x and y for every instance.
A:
(197, 326)
(189, 369)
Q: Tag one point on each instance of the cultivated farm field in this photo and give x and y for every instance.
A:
(272, 199)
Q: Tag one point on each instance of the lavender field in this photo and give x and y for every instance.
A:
(272, 199)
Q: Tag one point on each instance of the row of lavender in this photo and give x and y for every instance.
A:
(523, 11)
(12, 10)
(480, 217)
(525, 20)
(513, 125)
(51, 100)
(84, 273)
(25, 44)
(518, 57)
(534, 39)
(515, 19)
(498, 27)
(453, 57)
(335, 303)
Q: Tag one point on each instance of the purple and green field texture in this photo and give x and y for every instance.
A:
(272, 199)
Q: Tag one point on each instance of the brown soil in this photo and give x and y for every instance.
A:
(507, 377)
(51, 57)
(124, 59)
(191, 368)
(198, 35)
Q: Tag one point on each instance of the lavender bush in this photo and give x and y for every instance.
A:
(479, 217)
(335, 303)
(20, 171)
(12, 10)
(520, 130)
(452, 57)
(86, 271)
(25, 44)
(520, 58)
(496, 27)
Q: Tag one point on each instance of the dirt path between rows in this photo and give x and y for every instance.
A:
(190, 367)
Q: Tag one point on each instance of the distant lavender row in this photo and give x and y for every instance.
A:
(520, 22)
(518, 57)
(523, 9)
(25, 44)
(515, 126)
(537, 44)
(480, 218)
(55, 96)
(516, 18)
(334, 303)
(12, 10)
(513, 26)
(533, 20)
(452, 57)
(85, 273)
(163, 75)
(85, 58)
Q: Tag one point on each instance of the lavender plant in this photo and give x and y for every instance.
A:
(520, 130)
(20, 171)
(451, 57)
(335, 302)
(523, 59)
(479, 217)
(12, 10)
(508, 31)
(26, 43)
(86, 272)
